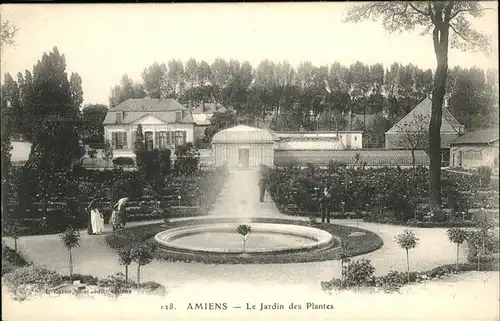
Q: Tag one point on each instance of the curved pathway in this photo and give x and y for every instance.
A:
(96, 258)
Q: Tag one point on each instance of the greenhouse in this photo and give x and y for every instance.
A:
(244, 147)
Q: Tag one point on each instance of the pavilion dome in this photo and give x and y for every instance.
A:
(244, 134)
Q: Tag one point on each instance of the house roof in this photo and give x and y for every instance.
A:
(448, 123)
(201, 119)
(165, 116)
(478, 137)
(244, 134)
(210, 108)
(148, 105)
(135, 109)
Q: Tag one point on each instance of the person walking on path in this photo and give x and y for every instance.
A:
(119, 207)
(262, 186)
(325, 202)
(88, 210)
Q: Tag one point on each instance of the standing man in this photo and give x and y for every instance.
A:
(262, 186)
(326, 199)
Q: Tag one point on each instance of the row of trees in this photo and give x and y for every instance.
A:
(309, 90)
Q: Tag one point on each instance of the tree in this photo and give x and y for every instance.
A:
(244, 230)
(71, 239)
(13, 229)
(125, 258)
(142, 254)
(152, 79)
(375, 132)
(344, 258)
(218, 122)
(7, 33)
(50, 106)
(482, 238)
(92, 117)
(187, 159)
(407, 240)
(457, 236)
(173, 84)
(448, 23)
(139, 146)
(10, 104)
(107, 152)
(413, 134)
(125, 90)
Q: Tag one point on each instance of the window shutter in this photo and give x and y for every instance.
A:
(125, 144)
(184, 137)
(133, 138)
(172, 138)
(157, 140)
(113, 139)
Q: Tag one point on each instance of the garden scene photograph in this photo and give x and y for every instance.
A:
(288, 161)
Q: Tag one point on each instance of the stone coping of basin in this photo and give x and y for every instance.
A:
(322, 238)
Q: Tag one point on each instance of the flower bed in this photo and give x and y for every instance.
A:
(394, 280)
(181, 196)
(388, 195)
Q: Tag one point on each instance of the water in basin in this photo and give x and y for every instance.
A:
(232, 240)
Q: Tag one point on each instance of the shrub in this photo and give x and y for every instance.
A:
(83, 278)
(392, 282)
(484, 175)
(152, 288)
(30, 279)
(116, 285)
(357, 273)
(187, 159)
(9, 256)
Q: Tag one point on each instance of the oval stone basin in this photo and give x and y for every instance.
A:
(264, 238)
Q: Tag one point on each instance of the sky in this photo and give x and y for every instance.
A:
(102, 42)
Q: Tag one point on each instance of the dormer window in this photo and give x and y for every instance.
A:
(178, 116)
(119, 116)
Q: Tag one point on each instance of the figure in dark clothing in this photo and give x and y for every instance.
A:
(325, 203)
(262, 185)
(89, 219)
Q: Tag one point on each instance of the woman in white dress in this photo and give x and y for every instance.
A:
(97, 221)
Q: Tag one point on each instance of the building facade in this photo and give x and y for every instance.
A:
(202, 113)
(474, 149)
(165, 125)
(321, 140)
(417, 120)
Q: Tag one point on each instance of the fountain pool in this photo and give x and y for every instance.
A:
(223, 238)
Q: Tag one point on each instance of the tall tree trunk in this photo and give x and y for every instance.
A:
(70, 266)
(440, 37)
(126, 274)
(138, 274)
(458, 248)
(413, 162)
(408, 265)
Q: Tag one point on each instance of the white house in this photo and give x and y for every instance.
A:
(474, 149)
(165, 124)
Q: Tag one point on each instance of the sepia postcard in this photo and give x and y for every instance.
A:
(252, 161)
